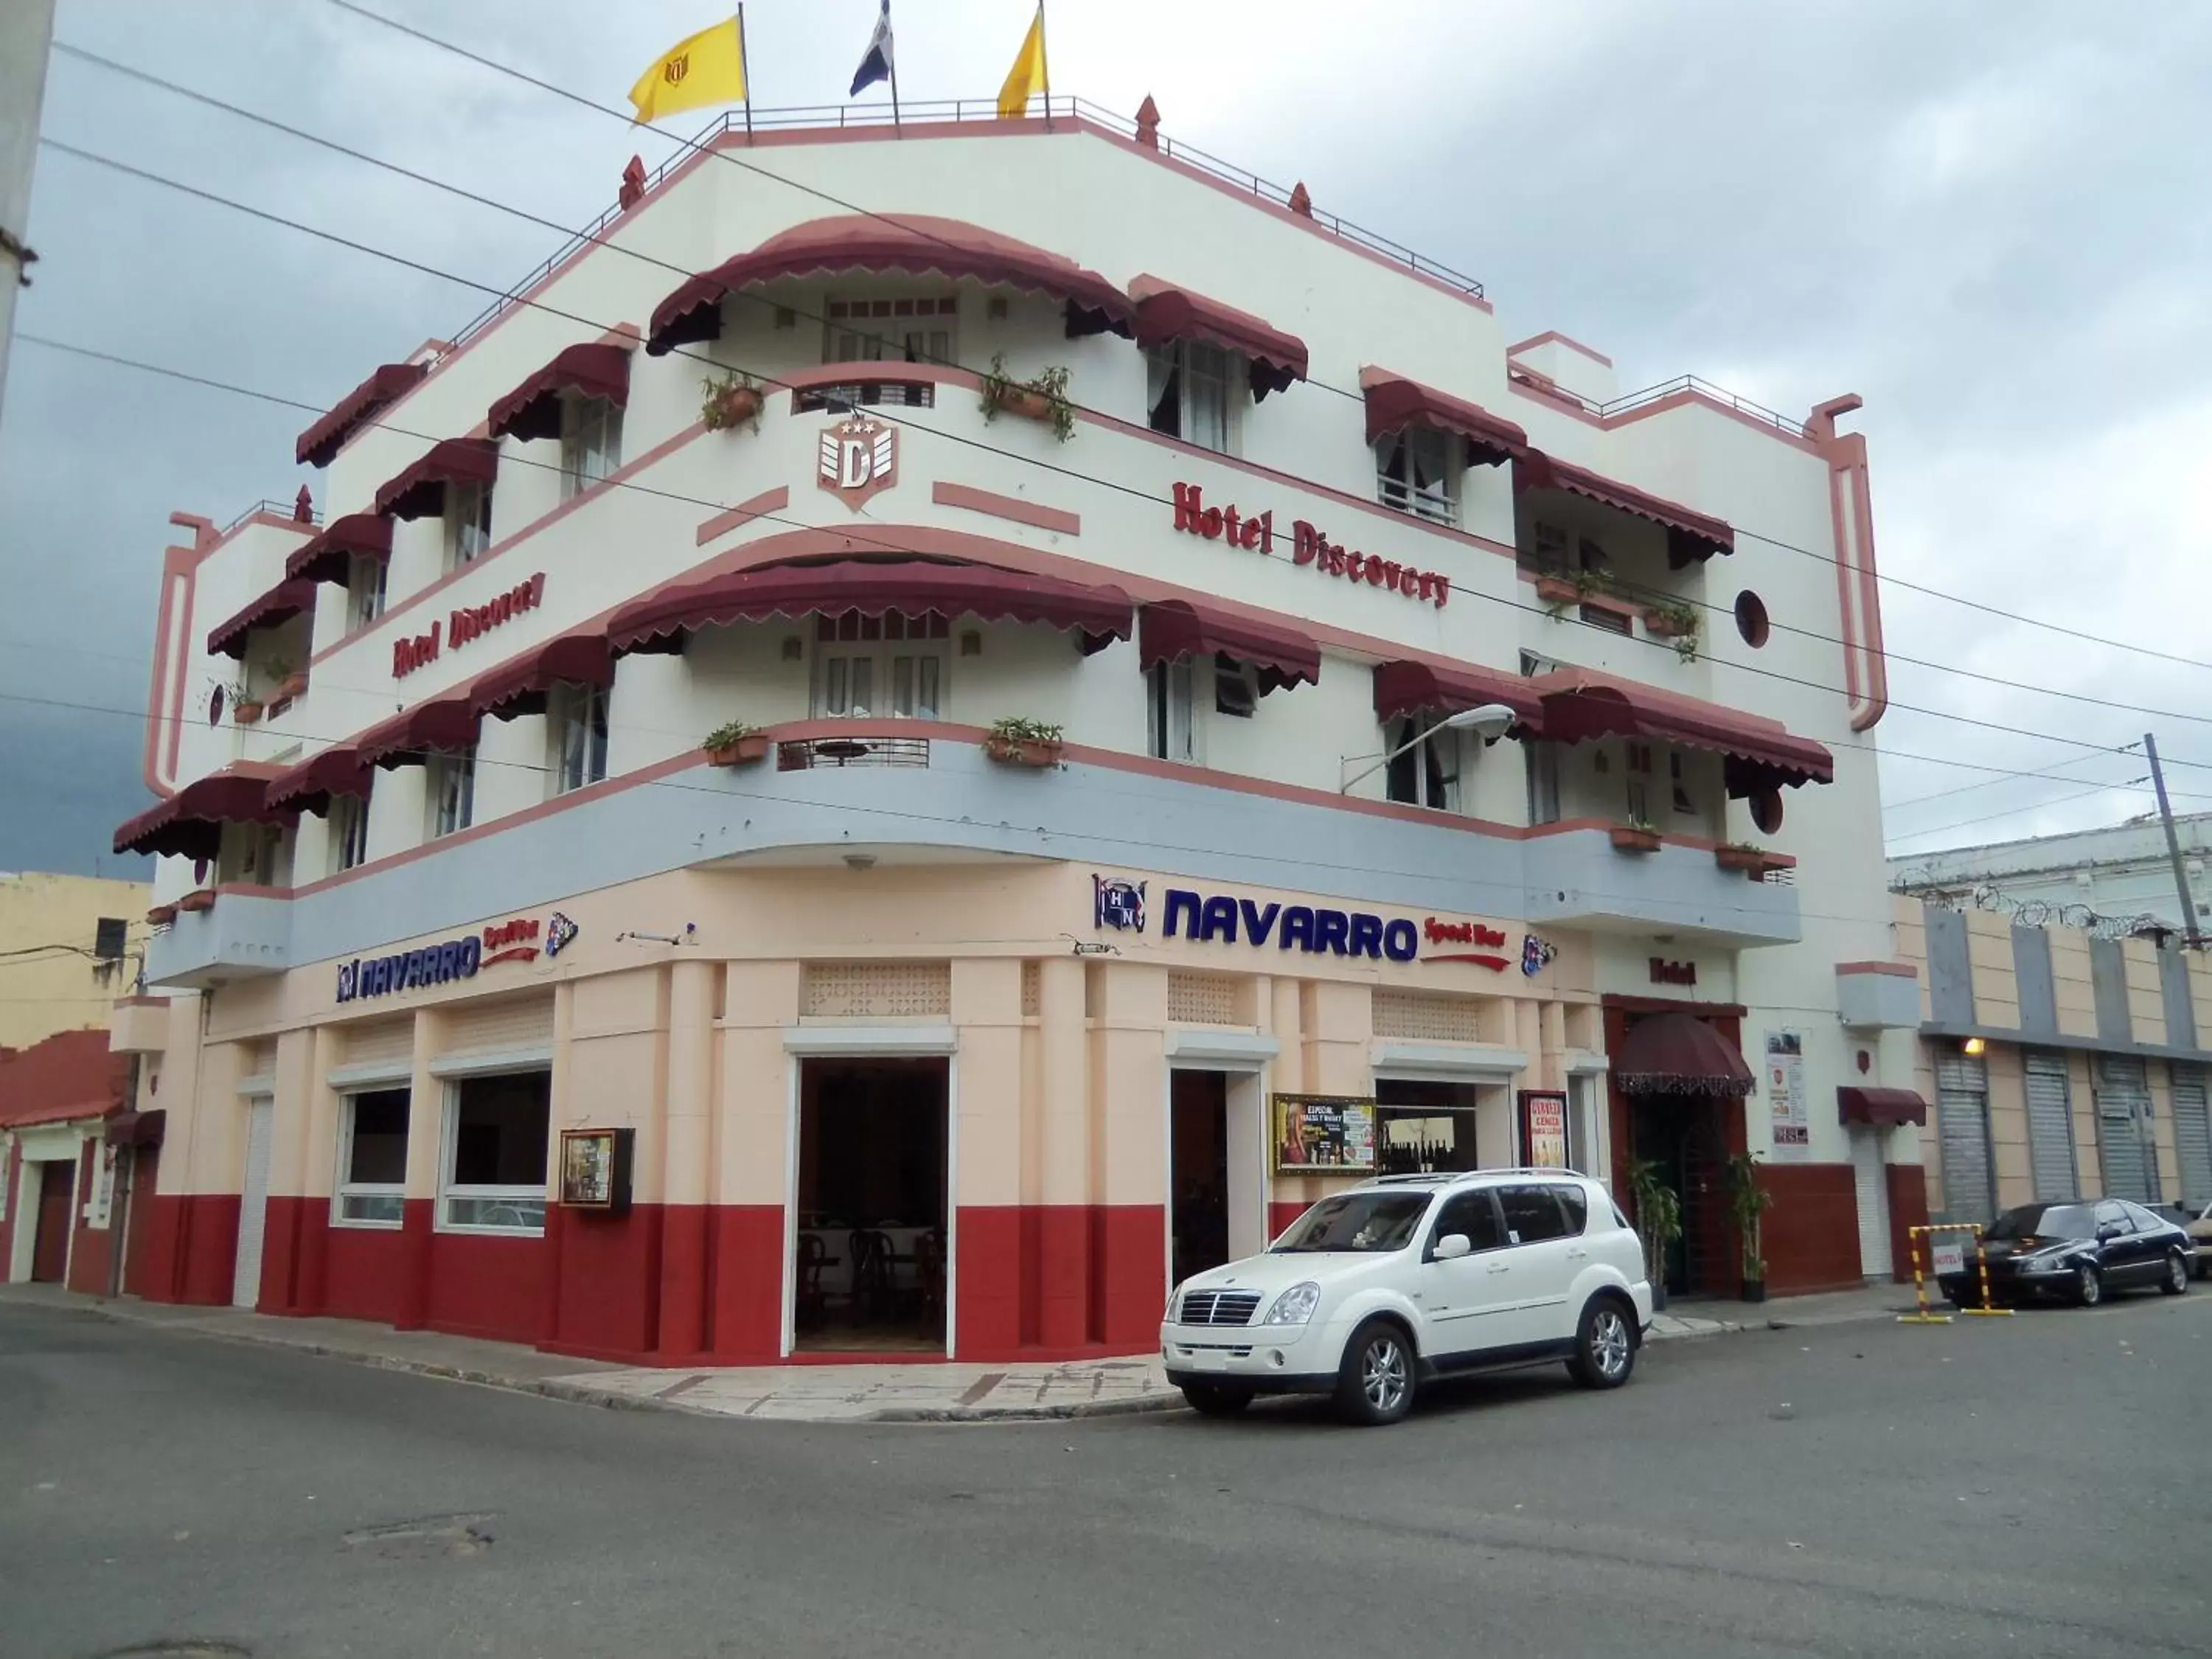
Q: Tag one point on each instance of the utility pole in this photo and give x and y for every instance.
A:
(2189, 933)
(27, 30)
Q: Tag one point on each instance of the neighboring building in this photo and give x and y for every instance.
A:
(509, 1013)
(69, 946)
(2118, 879)
(2090, 1078)
(79, 1166)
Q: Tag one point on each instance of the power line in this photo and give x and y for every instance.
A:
(2017, 812)
(1990, 783)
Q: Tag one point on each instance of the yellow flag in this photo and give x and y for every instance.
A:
(1028, 74)
(707, 69)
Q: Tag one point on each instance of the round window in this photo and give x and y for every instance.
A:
(1767, 811)
(1750, 618)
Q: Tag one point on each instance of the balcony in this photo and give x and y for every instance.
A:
(244, 933)
(1878, 996)
(138, 1026)
(1578, 878)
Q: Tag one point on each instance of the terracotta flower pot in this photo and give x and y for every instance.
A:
(1556, 590)
(1753, 861)
(161, 914)
(246, 713)
(1029, 405)
(739, 406)
(1661, 627)
(201, 898)
(1021, 752)
(1626, 838)
(749, 748)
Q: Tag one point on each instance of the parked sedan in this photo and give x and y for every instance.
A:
(2196, 1220)
(2076, 1252)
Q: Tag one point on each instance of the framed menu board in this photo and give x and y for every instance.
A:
(1544, 1128)
(595, 1169)
(1323, 1135)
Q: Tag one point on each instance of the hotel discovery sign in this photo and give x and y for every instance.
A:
(453, 958)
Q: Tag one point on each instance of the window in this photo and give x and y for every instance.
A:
(1582, 1097)
(453, 790)
(1413, 474)
(1549, 553)
(497, 1129)
(1236, 690)
(349, 821)
(875, 665)
(913, 330)
(590, 442)
(1532, 1214)
(373, 1159)
(1427, 774)
(1680, 791)
(1542, 759)
(1638, 783)
(1472, 1214)
(1174, 730)
(576, 727)
(1187, 394)
(364, 591)
(262, 855)
(468, 526)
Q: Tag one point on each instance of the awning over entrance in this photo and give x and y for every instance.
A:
(441, 722)
(1692, 536)
(329, 556)
(1173, 628)
(308, 787)
(421, 489)
(189, 824)
(279, 605)
(1885, 1108)
(129, 1129)
(322, 441)
(532, 410)
(1395, 403)
(1579, 704)
(913, 587)
(1679, 1054)
(519, 688)
(1420, 688)
(1166, 312)
(912, 244)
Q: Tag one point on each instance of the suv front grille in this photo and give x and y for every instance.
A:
(1219, 1307)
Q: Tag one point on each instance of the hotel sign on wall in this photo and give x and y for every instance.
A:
(857, 457)
(1255, 532)
(466, 623)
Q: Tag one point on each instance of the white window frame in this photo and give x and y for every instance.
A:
(449, 1148)
(591, 443)
(468, 523)
(1437, 503)
(852, 332)
(1439, 742)
(1193, 366)
(899, 640)
(342, 1189)
(1172, 723)
(1236, 688)
(1542, 761)
(571, 708)
(365, 579)
(349, 832)
(458, 766)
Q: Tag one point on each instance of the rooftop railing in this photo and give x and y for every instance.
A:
(274, 509)
(1679, 384)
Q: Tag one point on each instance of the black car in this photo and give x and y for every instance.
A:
(2076, 1252)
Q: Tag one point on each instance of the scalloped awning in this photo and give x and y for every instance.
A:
(421, 489)
(321, 441)
(189, 824)
(1165, 313)
(911, 244)
(445, 722)
(1396, 403)
(1758, 754)
(278, 605)
(329, 557)
(532, 410)
(1173, 628)
(308, 787)
(1420, 688)
(1692, 537)
(519, 687)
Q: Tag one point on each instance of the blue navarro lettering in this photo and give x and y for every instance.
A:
(433, 965)
(1293, 927)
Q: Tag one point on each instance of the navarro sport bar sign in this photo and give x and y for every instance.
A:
(1256, 533)
(454, 958)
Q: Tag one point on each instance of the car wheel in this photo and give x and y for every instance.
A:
(2177, 1274)
(1375, 1383)
(2088, 1285)
(1605, 1345)
(1216, 1399)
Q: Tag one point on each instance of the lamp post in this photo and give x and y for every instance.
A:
(1488, 721)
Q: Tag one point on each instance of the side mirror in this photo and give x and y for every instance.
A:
(2107, 1231)
(1452, 1246)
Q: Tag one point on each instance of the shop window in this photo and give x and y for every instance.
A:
(373, 1159)
(591, 443)
(1427, 772)
(364, 591)
(1236, 688)
(349, 821)
(453, 790)
(1532, 1214)
(468, 524)
(1186, 392)
(576, 729)
(1173, 725)
(494, 1173)
(873, 665)
(1413, 473)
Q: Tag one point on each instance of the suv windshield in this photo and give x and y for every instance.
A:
(2045, 1221)
(1376, 1222)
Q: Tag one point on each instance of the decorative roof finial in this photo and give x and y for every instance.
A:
(1301, 204)
(1148, 123)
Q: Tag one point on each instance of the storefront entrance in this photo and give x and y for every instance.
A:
(1199, 1173)
(50, 1244)
(1684, 1138)
(869, 1265)
(1425, 1128)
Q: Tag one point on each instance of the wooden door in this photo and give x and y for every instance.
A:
(50, 1247)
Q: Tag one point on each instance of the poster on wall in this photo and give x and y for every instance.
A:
(1323, 1134)
(1544, 1128)
(595, 1169)
(1785, 1089)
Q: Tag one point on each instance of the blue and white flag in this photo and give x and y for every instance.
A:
(875, 62)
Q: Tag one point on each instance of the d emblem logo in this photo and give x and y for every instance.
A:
(859, 456)
(676, 68)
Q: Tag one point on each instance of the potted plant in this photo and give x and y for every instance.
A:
(734, 744)
(732, 400)
(161, 914)
(1749, 1200)
(246, 709)
(1639, 835)
(1753, 861)
(200, 898)
(1658, 1222)
(1043, 398)
(1672, 619)
(1554, 589)
(1023, 743)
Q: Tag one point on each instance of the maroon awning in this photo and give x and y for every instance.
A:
(130, 1128)
(1418, 688)
(532, 410)
(912, 586)
(1760, 754)
(320, 442)
(308, 787)
(421, 490)
(521, 686)
(444, 722)
(1885, 1107)
(1172, 628)
(1679, 1054)
(329, 557)
(1690, 536)
(1166, 312)
(189, 824)
(279, 605)
(912, 244)
(1395, 403)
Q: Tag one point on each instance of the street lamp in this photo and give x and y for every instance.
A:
(1488, 721)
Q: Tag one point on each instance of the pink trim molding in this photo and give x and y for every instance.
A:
(1552, 336)
(1010, 508)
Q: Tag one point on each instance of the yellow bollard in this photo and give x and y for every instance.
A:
(1989, 1309)
(1920, 1287)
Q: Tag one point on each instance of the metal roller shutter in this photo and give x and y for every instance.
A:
(2050, 1128)
(2193, 1134)
(2123, 1114)
(1872, 1182)
(253, 1203)
(1962, 1128)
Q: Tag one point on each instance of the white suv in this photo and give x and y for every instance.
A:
(1406, 1278)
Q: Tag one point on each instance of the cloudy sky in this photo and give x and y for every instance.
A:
(1987, 219)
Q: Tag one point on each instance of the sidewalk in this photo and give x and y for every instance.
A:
(950, 1393)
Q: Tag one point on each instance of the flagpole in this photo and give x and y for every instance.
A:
(1045, 52)
(746, 62)
(895, 127)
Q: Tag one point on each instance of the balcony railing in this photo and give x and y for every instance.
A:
(1665, 389)
(1431, 504)
(808, 754)
(891, 394)
(274, 509)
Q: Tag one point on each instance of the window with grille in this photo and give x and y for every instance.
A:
(1196, 998)
(876, 990)
(576, 733)
(1032, 990)
(1426, 1016)
(590, 442)
(1188, 393)
(1413, 473)
(453, 790)
(468, 526)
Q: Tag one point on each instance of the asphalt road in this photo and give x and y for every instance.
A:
(2019, 1488)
